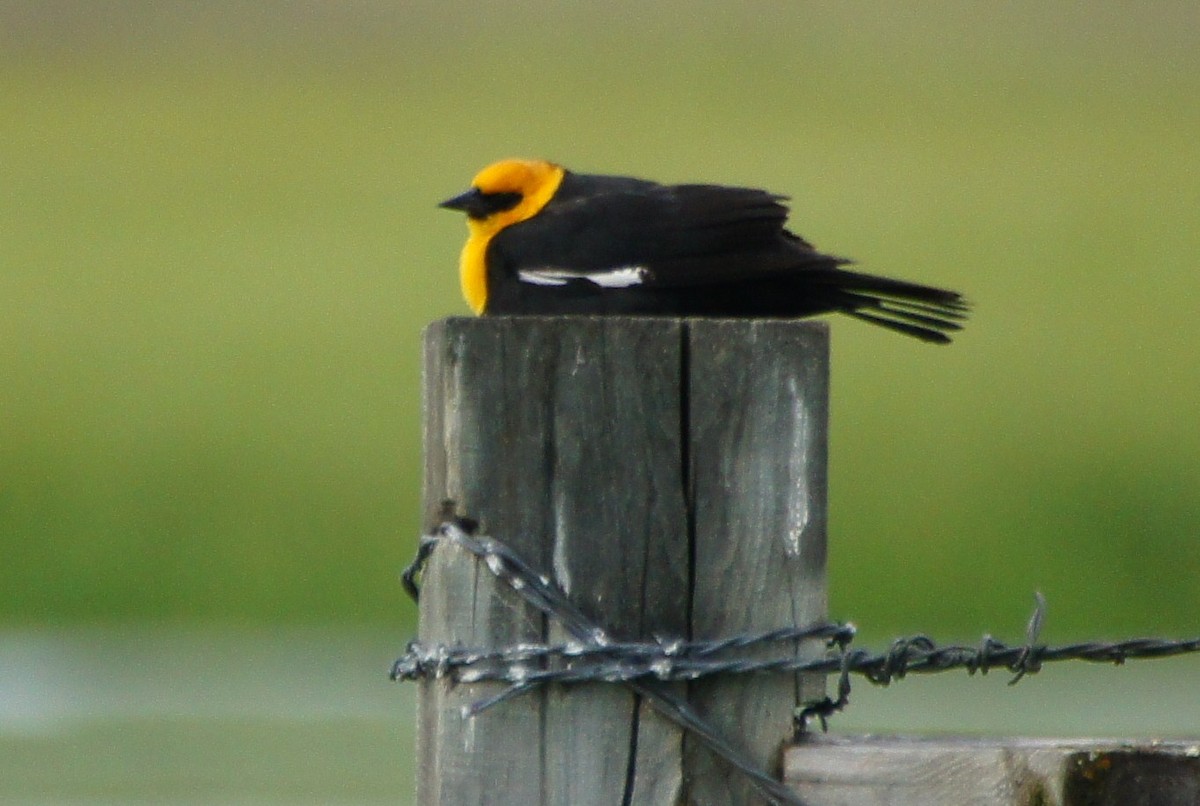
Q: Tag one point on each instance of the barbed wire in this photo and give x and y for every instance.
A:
(547, 597)
(647, 667)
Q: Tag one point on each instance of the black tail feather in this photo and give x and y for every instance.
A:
(899, 289)
(940, 320)
(922, 333)
(957, 312)
(922, 311)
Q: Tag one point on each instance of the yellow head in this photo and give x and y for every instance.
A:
(502, 194)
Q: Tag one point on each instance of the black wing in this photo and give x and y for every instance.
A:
(694, 250)
(677, 235)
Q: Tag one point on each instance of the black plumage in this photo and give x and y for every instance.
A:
(620, 245)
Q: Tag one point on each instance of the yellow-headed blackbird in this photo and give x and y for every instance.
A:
(544, 240)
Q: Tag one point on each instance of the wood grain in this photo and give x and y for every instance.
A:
(758, 423)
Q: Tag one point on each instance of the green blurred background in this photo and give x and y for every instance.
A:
(219, 245)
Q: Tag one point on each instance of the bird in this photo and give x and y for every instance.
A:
(543, 240)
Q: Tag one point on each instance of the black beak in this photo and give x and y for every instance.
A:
(479, 205)
(470, 202)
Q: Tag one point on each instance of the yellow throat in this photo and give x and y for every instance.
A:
(536, 181)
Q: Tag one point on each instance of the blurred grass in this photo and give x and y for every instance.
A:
(218, 246)
(142, 715)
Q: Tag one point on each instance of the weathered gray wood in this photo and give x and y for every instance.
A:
(906, 771)
(562, 437)
(465, 760)
(758, 405)
(574, 440)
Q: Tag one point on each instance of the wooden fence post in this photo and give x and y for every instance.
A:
(670, 476)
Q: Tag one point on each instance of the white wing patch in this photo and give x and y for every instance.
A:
(543, 277)
(619, 277)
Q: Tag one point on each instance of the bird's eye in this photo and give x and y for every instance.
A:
(498, 202)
